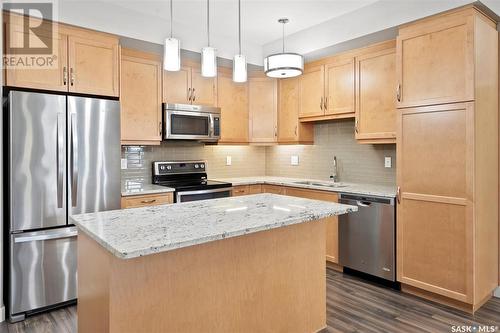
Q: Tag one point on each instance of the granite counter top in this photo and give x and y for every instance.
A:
(138, 188)
(135, 232)
(353, 188)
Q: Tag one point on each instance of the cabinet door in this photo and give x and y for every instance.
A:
(435, 222)
(311, 92)
(140, 97)
(375, 99)
(290, 130)
(275, 189)
(204, 90)
(340, 88)
(332, 223)
(93, 64)
(50, 77)
(177, 86)
(435, 62)
(233, 101)
(263, 110)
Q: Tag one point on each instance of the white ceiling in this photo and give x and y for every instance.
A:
(314, 25)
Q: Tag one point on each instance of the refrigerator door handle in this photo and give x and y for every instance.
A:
(74, 161)
(57, 234)
(60, 160)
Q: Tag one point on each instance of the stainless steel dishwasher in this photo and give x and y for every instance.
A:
(367, 238)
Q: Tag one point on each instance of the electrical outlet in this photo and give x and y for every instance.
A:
(124, 163)
(388, 162)
(228, 160)
(294, 160)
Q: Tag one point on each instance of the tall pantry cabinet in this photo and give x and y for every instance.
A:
(447, 157)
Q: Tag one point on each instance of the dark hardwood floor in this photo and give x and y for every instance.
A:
(353, 305)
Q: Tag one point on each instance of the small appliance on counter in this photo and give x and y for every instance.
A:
(189, 178)
(367, 238)
(191, 122)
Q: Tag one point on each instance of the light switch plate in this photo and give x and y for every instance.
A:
(388, 162)
(124, 163)
(294, 160)
(228, 160)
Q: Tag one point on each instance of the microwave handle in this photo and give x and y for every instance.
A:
(212, 126)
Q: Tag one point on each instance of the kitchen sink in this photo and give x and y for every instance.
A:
(325, 184)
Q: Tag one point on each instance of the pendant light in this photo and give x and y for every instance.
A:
(283, 65)
(208, 53)
(239, 60)
(172, 49)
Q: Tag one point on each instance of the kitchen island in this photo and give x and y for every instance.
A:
(241, 264)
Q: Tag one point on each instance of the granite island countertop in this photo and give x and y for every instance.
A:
(135, 232)
(344, 187)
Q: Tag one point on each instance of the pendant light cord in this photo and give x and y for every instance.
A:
(208, 22)
(171, 18)
(239, 26)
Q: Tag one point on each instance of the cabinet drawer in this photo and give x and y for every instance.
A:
(276, 189)
(240, 190)
(147, 200)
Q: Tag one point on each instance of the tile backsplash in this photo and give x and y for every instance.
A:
(359, 163)
(356, 162)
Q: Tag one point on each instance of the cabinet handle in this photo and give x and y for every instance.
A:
(160, 128)
(398, 195)
(295, 130)
(189, 94)
(321, 104)
(148, 201)
(71, 76)
(194, 95)
(275, 131)
(356, 126)
(398, 93)
(65, 75)
(326, 103)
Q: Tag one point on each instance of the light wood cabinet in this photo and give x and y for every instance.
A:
(233, 101)
(187, 86)
(246, 190)
(311, 92)
(436, 60)
(140, 98)
(86, 61)
(375, 99)
(447, 157)
(290, 130)
(339, 89)
(147, 200)
(332, 224)
(263, 110)
(275, 189)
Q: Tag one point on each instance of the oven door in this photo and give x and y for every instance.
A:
(186, 196)
(188, 125)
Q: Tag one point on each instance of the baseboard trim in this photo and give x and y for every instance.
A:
(496, 292)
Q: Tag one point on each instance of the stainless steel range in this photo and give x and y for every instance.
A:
(189, 178)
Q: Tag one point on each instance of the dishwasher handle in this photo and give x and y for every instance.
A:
(363, 203)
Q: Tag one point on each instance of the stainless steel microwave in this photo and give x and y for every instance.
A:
(191, 122)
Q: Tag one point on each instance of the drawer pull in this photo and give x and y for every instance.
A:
(148, 201)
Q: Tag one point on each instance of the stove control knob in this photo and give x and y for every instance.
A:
(169, 167)
(196, 166)
(162, 167)
(202, 166)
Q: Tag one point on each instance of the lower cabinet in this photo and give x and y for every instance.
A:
(332, 238)
(135, 201)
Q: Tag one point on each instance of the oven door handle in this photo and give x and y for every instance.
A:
(183, 193)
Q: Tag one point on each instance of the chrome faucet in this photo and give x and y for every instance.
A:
(335, 175)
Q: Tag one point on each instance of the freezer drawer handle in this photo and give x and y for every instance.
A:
(56, 235)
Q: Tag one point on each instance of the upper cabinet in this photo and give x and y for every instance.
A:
(187, 86)
(263, 110)
(312, 91)
(290, 130)
(339, 89)
(87, 62)
(233, 101)
(140, 98)
(375, 98)
(436, 61)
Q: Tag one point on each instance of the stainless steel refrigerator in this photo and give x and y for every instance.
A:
(63, 158)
